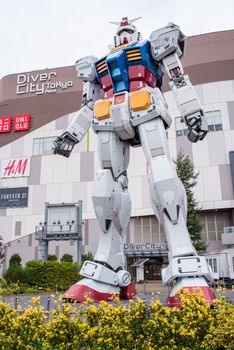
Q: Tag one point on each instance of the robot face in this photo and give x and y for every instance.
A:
(126, 35)
(126, 32)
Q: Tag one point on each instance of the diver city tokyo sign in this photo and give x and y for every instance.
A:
(40, 83)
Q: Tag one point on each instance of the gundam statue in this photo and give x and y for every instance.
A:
(134, 112)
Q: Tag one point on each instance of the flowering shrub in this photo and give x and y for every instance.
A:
(113, 326)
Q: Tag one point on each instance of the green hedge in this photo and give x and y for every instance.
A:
(51, 274)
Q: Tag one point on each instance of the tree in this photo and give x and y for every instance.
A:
(15, 272)
(52, 257)
(188, 176)
(67, 258)
(88, 256)
(2, 255)
(15, 260)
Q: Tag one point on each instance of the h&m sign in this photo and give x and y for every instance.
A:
(15, 167)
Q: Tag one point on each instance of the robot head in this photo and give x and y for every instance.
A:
(126, 32)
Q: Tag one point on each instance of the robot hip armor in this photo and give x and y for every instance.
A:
(126, 110)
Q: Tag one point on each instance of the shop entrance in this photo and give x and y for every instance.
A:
(152, 269)
(147, 269)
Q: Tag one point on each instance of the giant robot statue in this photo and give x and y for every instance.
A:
(133, 112)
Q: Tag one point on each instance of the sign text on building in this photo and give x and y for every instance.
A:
(5, 124)
(15, 167)
(146, 247)
(21, 123)
(40, 83)
(13, 197)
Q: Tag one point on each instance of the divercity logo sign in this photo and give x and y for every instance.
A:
(40, 83)
(21, 123)
(15, 167)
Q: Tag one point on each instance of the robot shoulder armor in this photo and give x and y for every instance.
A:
(166, 41)
(85, 68)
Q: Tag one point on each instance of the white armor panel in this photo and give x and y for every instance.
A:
(167, 193)
(80, 123)
(186, 97)
(101, 273)
(113, 153)
(166, 41)
(186, 266)
(85, 68)
(157, 108)
(110, 202)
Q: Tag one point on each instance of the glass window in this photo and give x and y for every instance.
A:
(181, 128)
(214, 120)
(43, 145)
(233, 264)
(213, 264)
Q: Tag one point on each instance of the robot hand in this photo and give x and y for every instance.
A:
(197, 126)
(64, 144)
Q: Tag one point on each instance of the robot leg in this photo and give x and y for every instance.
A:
(106, 276)
(186, 269)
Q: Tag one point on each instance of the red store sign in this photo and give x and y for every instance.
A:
(5, 124)
(21, 123)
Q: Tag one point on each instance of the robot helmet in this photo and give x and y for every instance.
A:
(126, 32)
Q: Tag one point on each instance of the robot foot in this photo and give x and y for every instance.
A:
(192, 285)
(97, 291)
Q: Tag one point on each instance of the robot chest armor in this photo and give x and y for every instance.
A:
(128, 68)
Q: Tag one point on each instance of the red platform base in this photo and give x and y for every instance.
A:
(174, 300)
(128, 292)
(80, 292)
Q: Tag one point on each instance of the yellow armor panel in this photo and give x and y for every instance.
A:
(139, 100)
(102, 109)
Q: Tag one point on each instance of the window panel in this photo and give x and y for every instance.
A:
(146, 220)
(36, 150)
(214, 120)
(213, 264)
(181, 128)
(43, 145)
(146, 235)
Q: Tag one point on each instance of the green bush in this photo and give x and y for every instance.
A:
(15, 260)
(15, 273)
(52, 274)
(106, 326)
(52, 257)
(67, 258)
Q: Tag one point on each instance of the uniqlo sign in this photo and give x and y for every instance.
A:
(15, 167)
(5, 124)
(21, 122)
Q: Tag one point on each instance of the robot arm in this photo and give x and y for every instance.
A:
(80, 124)
(167, 46)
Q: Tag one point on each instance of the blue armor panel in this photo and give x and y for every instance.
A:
(117, 62)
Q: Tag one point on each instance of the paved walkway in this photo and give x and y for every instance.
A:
(151, 287)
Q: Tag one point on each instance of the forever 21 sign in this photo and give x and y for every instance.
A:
(13, 197)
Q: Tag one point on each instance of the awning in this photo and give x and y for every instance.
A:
(139, 262)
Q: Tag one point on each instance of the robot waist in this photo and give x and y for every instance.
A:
(129, 109)
(134, 101)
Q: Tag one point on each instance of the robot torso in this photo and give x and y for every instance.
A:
(129, 68)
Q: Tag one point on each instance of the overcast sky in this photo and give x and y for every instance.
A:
(54, 33)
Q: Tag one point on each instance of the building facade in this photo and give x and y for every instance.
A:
(36, 106)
